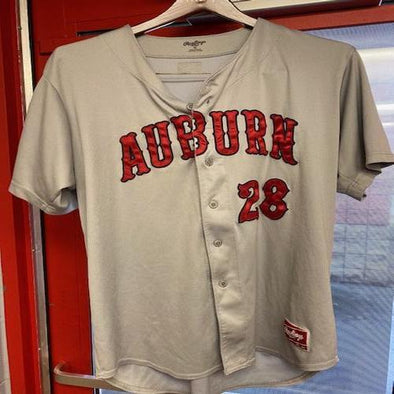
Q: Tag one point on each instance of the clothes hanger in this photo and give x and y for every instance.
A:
(182, 8)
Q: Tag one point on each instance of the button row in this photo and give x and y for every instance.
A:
(190, 106)
(214, 204)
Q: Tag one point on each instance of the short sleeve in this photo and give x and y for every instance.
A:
(43, 172)
(363, 145)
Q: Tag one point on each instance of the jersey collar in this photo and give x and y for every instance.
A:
(125, 46)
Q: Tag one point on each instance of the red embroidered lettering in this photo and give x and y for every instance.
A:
(164, 144)
(231, 146)
(283, 139)
(255, 132)
(190, 133)
(132, 157)
(180, 123)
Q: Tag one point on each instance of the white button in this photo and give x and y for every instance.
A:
(213, 204)
(209, 161)
(217, 242)
(189, 107)
(222, 283)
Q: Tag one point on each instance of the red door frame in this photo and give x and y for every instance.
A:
(15, 239)
(15, 247)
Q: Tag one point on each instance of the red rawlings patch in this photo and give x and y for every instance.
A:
(299, 336)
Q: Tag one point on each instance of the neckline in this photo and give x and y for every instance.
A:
(137, 63)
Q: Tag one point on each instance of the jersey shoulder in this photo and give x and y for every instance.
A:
(78, 59)
(300, 47)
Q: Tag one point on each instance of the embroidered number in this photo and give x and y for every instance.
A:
(273, 206)
(251, 198)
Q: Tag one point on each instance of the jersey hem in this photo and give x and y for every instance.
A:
(139, 390)
(239, 367)
(109, 374)
(308, 370)
(304, 366)
(289, 382)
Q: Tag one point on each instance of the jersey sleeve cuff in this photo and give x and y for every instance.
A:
(29, 196)
(377, 161)
(356, 188)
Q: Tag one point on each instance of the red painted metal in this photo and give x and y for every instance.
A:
(17, 268)
(47, 42)
(56, 23)
(332, 19)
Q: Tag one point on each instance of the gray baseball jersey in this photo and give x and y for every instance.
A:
(205, 170)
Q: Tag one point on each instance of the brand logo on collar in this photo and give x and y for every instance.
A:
(194, 45)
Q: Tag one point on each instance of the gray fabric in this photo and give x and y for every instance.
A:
(166, 295)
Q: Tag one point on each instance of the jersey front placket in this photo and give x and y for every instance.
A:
(236, 328)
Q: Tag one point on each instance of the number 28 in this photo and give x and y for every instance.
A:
(273, 206)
